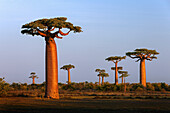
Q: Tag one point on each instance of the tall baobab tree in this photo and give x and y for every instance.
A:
(122, 72)
(33, 76)
(123, 76)
(116, 59)
(100, 71)
(103, 75)
(142, 55)
(68, 67)
(50, 29)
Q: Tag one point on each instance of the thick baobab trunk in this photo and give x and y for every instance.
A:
(33, 80)
(51, 69)
(142, 73)
(99, 81)
(69, 80)
(116, 74)
(102, 80)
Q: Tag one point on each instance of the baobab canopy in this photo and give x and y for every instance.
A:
(103, 74)
(143, 54)
(119, 58)
(44, 26)
(100, 70)
(67, 67)
(122, 72)
(124, 75)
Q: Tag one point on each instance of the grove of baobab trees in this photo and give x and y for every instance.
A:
(122, 72)
(51, 29)
(103, 74)
(115, 59)
(99, 75)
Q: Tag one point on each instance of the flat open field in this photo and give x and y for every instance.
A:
(83, 105)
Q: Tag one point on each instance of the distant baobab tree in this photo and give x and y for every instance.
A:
(33, 76)
(142, 55)
(100, 71)
(123, 76)
(103, 75)
(68, 67)
(122, 72)
(50, 29)
(116, 59)
(118, 68)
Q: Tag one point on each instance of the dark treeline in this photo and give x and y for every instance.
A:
(24, 89)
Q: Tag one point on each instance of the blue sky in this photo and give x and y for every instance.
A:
(110, 28)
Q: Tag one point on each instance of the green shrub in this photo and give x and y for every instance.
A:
(150, 87)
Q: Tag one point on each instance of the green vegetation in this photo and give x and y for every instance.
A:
(38, 90)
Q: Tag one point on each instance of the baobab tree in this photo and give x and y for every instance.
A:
(142, 55)
(100, 71)
(68, 67)
(50, 29)
(123, 76)
(118, 68)
(103, 75)
(33, 76)
(116, 59)
(122, 72)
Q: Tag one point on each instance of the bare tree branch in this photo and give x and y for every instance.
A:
(41, 32)
(63, 34)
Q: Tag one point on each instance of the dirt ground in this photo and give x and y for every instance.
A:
(83, 105)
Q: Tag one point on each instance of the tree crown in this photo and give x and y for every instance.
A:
(103, 74)
(100, 70)
(115, 58)
(43, 27)
(122, 72)
(33, 75)
(67, 67)
(118, 68)
(124, 75)
(142, 54)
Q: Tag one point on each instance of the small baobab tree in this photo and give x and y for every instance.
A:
(68, 67)
(142, 55)
(123, 76)
(50, 29)
(33, 76)
(100, 71)
(122, 72)
(116, 59)
(118, 68)
(103, 75)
